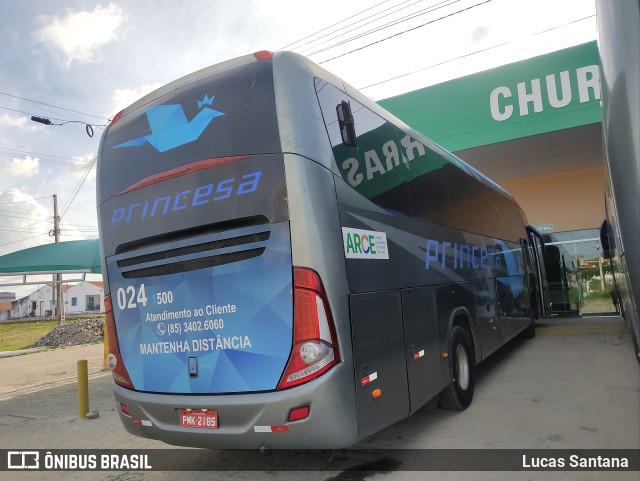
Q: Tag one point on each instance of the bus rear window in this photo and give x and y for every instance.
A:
(227, 114)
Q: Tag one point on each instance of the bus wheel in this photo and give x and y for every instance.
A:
(459, 393)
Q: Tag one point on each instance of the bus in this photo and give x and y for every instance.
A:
(619, 37)
(287, 265)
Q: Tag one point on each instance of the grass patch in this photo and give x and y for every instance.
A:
(22, 335)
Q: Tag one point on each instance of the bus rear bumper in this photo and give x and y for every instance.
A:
(252, 420)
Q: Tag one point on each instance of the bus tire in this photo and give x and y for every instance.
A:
(459, 394)
(530, 331)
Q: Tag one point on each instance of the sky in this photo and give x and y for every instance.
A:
(80, 62)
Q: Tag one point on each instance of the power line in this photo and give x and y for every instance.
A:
(83, 225)
(15, 211)
(26, 113)
(20, 229)
(22, 240)
(47, 120)
(392, 23)
(23, 216)
(406, 31)
(95, 229)
(81, 230)
(563, 25)
(435, 65)
(356, 23)
(50, 161)
(20, 201)
(25, 231)
(471, 53)
(76, 190)
(54, 106)
(54, 159)
(83, 236)
(27, 152)
(30, 217)
(76, 163)
(330, 26)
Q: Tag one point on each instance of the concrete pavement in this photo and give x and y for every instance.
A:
(40, 369)
(575, 386)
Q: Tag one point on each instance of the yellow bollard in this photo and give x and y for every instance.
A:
(106, 348)
(83, 388)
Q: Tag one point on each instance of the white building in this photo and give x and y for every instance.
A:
(83, 297)
(35, 304)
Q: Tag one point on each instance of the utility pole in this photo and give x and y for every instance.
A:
(58, 284)
(600, 265)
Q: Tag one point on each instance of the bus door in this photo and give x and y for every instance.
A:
(536, 254)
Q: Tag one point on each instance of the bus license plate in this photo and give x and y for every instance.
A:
(198, 419)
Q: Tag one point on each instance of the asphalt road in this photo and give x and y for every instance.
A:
(575, 386)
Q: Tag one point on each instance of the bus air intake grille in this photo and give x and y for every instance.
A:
(194, 264)
(194, 249)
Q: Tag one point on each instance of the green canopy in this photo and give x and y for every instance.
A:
(61, 257)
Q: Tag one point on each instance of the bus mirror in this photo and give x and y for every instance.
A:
(346, 123)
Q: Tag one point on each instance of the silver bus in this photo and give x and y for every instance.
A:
(290, 266)
(619, 38)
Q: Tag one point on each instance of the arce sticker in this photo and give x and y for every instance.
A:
(364, 244)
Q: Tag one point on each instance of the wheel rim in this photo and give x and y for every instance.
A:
(462, 362)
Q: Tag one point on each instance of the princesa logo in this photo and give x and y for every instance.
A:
(170, 127)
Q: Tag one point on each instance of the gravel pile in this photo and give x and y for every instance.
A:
(74, 333)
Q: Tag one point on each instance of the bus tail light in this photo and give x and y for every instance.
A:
(117, 117)
(125, 409)
(263, 55)
(114, 360)
(298, 414)
(315, 346)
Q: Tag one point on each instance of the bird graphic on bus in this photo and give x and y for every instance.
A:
(170, 127)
